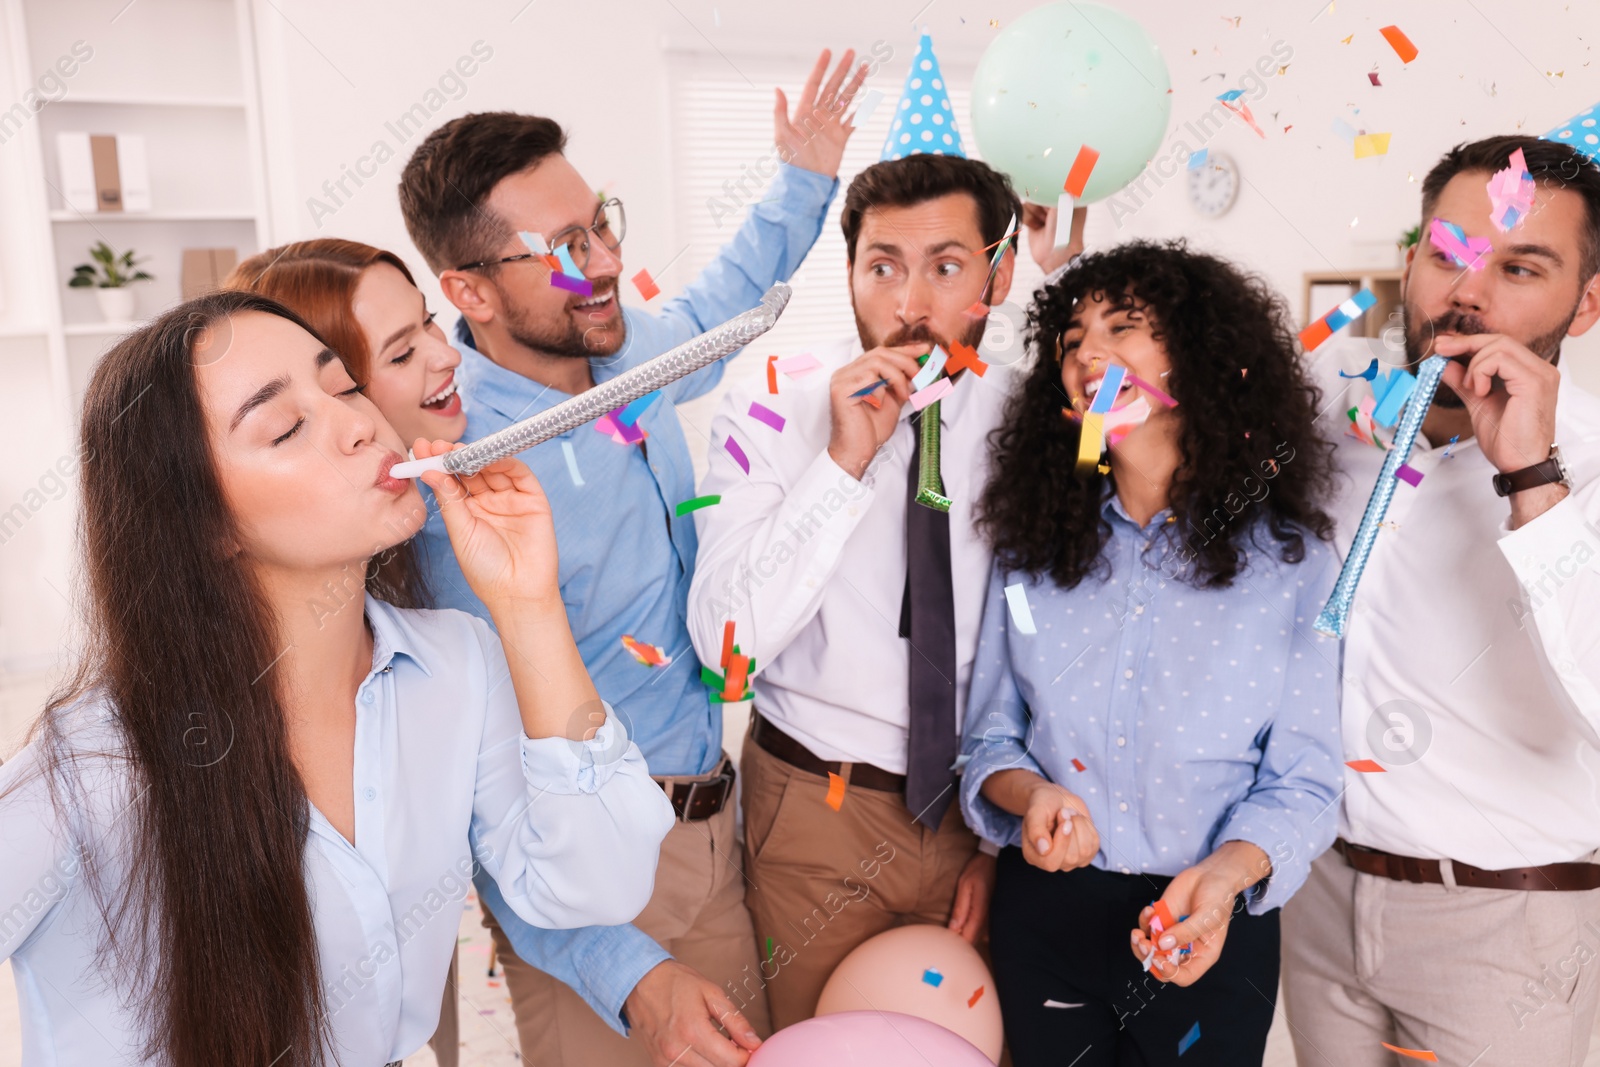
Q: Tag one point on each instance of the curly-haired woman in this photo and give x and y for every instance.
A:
(1155, 728)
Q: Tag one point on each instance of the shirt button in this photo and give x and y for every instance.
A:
(854, 512)
(1128, 673)
(1122, 742)
(371, 793)
(1138, 609)
(1126, 871)
(1120, 807)
(366, 696)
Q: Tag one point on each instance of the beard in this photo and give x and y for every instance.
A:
(907, 335)
(1421, 330)
(563, 337)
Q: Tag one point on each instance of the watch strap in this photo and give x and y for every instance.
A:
(1547, 473)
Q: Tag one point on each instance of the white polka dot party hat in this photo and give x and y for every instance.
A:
(924, 122)
(1581, 131)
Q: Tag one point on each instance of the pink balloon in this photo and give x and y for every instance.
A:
(867, 1039)
(923, 970)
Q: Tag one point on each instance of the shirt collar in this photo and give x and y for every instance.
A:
(1111, 508)
(508, 393)
(393, 635)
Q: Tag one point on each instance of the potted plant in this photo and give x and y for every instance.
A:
(110, 275)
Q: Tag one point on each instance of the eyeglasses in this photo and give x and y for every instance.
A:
(610, 226)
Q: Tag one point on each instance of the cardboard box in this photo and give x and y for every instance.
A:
(204, 270)
(107, 182)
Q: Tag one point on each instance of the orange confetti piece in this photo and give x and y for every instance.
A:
(963, 357)
(1414, 1053)
(1078, 176)
(733, 690)
(772, 375)
(1365, 766)
(727, 643)
(835, 791)
(1164, 913)
(646, 286)
(1315, 334)
(649, 655)
(974, 998)
(1403, 48)
(1077, 766)
(977, 311)
(874, 399)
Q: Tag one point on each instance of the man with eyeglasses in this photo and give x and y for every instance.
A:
(483, 196)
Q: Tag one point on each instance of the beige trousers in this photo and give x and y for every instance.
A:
(446, 1040)
(697, 913)
(823, 881)
(1487, 977)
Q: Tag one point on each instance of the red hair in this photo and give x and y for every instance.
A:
(317, 280)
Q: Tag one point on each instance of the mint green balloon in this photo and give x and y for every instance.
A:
(1066, 75)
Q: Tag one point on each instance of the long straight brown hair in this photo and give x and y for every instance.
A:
(213, 931)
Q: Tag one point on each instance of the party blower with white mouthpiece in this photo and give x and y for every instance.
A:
(626, 387)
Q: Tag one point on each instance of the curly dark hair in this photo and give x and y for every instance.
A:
(1248, 412)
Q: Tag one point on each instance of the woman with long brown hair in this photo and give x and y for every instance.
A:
(242, 832)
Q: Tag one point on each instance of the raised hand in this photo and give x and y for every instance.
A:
(1041, 223)
(814, 135)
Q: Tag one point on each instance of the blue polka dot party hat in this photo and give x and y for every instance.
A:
(924, 122)
(1581, 131)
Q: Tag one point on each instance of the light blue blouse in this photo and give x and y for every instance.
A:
(445, 782)
(1198, 716)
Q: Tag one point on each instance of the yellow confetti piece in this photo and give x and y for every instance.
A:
(1091, 442)
(1347, 39)
(1371, 144)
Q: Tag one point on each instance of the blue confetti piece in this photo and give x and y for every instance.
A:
(932, 977)
(1367, 375)
(1110, 386)
(1397, 387)
(572, 462)
(930, 370)
(874, 387)
(1198, 160)
(1231, 94)
(568, 267)
(630, 414)
(1189, 1039)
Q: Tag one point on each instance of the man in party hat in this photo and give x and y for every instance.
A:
(844, 557)
(1458, 914)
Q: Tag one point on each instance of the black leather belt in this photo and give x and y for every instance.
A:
(777, 743)
(701, 797)
(1561, 877)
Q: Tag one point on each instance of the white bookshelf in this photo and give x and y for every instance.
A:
(180, 73)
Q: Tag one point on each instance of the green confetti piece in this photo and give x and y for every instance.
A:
(697, 503)
(769, 950)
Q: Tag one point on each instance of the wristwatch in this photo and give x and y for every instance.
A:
(1552, 471)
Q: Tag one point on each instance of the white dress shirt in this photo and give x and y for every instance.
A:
(444, 775)
(1489, 636)
(811, 563)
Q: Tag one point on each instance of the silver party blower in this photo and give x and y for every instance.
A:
(626, 387)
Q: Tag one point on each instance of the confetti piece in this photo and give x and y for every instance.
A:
(769, 950)
(874, 387)
(646, 286)
(1243, 111)
(1110, 386)
(1450, 239)
(932, 977)
(1198, 160)
(1091, 442)
(1160, 911)
(799, 366)
(581, 286)
(1077, 765)
(1448, 447)
(978, 310)
(868, 105)
(1059, 1004)
(572, 462)
(1159, 396)
(1409, 474)
(1064, 205)
(738, 671)
(727, 644)
(835, 791)
(568, 266)
(1396, 389)
(1231, 94)
(1340, 317)
(1078, 176)
(1347, 40)
(1400, 43)
(1511, 193)
(964, 357)
(1372, 76)
(923, 397)
(874, 399)
(1414, 1053)
(535, 242)
(772, 375)
(1189, 1039)
(976, 993)
(737, 453)
(1365, 766)
(765, 414)
(1371, 144)
(1367, 375)
(1017, 601)
(647, 654)
(931, 369)
(695, 504)
(629, 416)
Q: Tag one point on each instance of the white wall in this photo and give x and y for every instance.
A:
(333, 74)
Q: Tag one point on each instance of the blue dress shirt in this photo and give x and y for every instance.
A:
(626, 558)
(1199, 715)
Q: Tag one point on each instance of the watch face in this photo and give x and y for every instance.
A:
(1565, 475)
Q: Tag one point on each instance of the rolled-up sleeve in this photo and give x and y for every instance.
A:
(569, 830)
(996, 735)
(1289, 811)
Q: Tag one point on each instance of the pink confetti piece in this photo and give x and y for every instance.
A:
(1449, 238)
(737, 453)
(766, 415)
(1511, 193)
(1243, 111)
(1156, 394)
(923, 397)
(799, 366)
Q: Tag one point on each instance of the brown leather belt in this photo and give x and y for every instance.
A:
(1561, 877)
(702, 796)
(777, 743)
